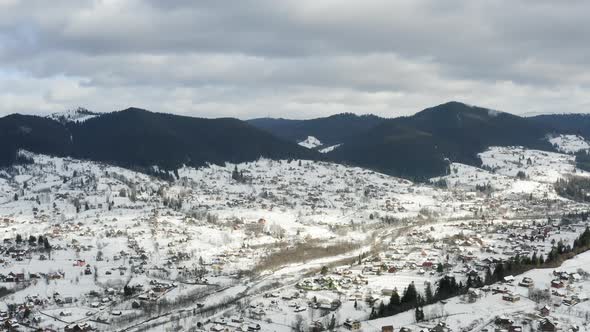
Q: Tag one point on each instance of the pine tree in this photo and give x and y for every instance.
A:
(419, 314)
(489, 278)
(428, 294)
(394, 303)
(410, 297)
(499, 272)
(373, 314)
(332, 324)
(381, 312)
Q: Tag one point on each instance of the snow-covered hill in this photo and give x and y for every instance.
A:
(541, 166)
(569, 143)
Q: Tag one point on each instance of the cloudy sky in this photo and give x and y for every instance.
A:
(293, 58)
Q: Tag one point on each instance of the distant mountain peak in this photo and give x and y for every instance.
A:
(458, 110)
(79, 114)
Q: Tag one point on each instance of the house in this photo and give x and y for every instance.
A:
(316, 326)
(387, 291)
(570, 302)
(556, 283)
(474, 294)
(547, 325)
(352, 325)
(219, 328)
(545, 311)
(440, 327)
(503, 321)
(526, 282)
(427, 264)
(79, 327)
(254, 327)
(12, 325)
(257, 314)
(387, 328)
(511, 297)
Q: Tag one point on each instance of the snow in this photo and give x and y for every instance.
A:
(228, 227)
(310, 142)
(541, 166)
(73, 115)
(330, 148)
(569, 143)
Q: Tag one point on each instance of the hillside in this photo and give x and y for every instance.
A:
(329, 130)
(32, 133)
(578, 124)
(138, 138)
(421, 145)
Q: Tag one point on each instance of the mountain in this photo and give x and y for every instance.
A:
(578, 124)
(329, 130)
(420, 146)
(139, 138)
(417, 147)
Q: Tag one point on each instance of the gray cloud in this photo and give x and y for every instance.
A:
(297, 58)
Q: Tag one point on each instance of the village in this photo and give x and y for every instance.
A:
(286, 245)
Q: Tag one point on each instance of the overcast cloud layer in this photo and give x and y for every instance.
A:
(294, 59)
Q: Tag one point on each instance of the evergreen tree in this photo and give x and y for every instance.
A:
(410, 298)
(489, 278)
(535, 259)
(332, 324)
(128, 291)
(381, 311)
(499, 273)
(394, 303)
(428, 294)
(373, 314)
(419, 314)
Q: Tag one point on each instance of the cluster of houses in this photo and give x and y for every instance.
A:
(541, 321)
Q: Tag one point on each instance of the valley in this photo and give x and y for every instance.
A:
(275, 245)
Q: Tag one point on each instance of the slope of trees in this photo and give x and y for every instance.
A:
(329, 130)
(574, 187)
(420, 146)
(137, 138)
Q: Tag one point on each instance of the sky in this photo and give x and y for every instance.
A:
(294, 58)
